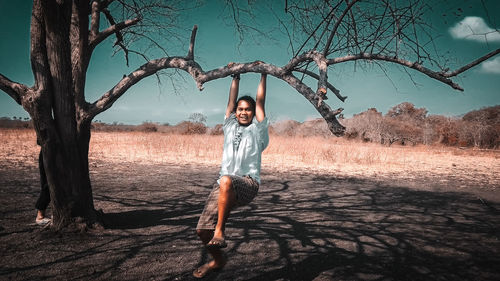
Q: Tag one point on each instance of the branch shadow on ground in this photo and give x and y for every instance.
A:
(300, 227)
(346, 229)
(137, 219)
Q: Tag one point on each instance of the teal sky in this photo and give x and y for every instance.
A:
(217, 44)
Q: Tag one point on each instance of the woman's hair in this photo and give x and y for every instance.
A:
(248, 99)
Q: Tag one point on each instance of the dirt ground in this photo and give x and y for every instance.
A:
(302, 226)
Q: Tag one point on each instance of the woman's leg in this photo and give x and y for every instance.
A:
(227, 200)
(44, 198)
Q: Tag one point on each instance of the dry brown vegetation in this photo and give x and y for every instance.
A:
(406, 124)
(472, 168)
(403, 124)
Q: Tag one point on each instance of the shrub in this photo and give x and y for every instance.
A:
(216, 130)
(284, 128)
(402, 132)
(148, 127)
(190, 128)
(407, 112)
(366, 125)
(482, 127)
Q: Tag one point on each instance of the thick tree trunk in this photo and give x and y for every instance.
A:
(66, 167)
(62, 132)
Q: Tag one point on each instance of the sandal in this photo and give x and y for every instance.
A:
(217, 243)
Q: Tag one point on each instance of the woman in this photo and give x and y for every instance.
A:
(245, 137)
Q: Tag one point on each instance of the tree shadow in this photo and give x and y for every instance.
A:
(136, 219)
(300, 227)
(326, 228)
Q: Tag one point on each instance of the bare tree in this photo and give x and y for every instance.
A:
(197, 118)
(407, 111)
(65, 33)
(368, 126)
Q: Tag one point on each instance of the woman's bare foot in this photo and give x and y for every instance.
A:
(40, 218)
(207, 268)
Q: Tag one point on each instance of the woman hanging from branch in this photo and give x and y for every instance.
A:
(245, 137)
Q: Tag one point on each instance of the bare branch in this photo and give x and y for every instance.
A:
(378, 32)
(330, 86)
(324, 109)
(201, 77)
(95, 19)
(182, 63)
(103, 4)
(355, 29)
(119, 36)
(472, 64)
(13, 89)
(322, 63)
(335, 27)
(329, 17)
(363, 29)
(114, 29)
(142, 72)
(323, 77)
(414, 65)
(152, 41)
(287, 30)
(190, 54)
(311, 55)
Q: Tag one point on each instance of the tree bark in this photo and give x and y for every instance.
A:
(59, 64)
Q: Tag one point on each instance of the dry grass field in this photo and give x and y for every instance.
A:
(469, 169)
(328, 209)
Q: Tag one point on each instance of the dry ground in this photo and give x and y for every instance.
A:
(327, 210)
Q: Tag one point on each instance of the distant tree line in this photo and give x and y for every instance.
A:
(406, 124)
(15, 122)
(196, 124)
(403, 124)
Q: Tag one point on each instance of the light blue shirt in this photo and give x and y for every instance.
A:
(243, 146)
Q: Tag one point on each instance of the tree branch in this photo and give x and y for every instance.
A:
(114, 29)
(190, 54)
(336, 26)
(472, 64)
(119, 36)
(324, 109)
(414, 65)
(329, 17)
(189, 65)
(330, 86)
(201, 77)
(13, 89)
(142, 72)
(95, 19)
(103, 4)
(322, 63)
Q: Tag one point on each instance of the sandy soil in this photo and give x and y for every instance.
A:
(305, 224)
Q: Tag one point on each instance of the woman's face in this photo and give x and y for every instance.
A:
(244, 113)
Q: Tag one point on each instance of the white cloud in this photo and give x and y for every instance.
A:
(491, 66)
(474, 28)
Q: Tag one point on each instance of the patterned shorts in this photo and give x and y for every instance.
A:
(245, 188)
